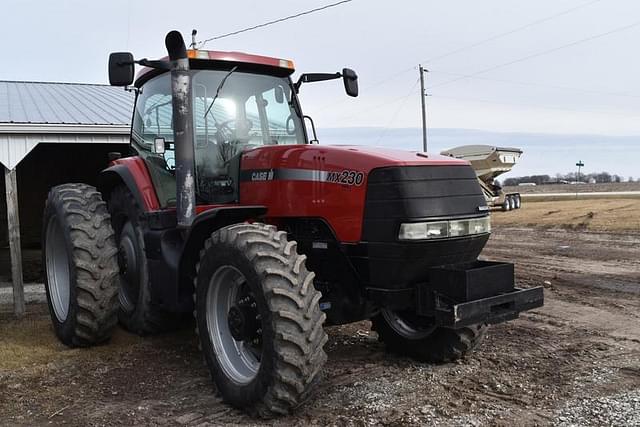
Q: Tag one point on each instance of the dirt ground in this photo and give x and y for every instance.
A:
(575, 361)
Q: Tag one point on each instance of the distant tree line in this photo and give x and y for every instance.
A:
(594, 177)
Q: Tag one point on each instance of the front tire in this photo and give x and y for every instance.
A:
(409, 335)
(81, 270)
(258, 319)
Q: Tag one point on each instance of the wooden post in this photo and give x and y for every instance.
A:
(13, 221)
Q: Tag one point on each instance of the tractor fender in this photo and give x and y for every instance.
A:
(203, 225)
(133, 173)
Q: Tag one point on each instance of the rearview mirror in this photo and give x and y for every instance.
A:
(279, 94)
(121, 68)
(350, 79)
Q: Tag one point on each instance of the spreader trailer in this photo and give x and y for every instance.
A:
(225, 207)
(490, 162)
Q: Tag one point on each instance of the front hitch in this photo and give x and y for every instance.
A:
(463, 294)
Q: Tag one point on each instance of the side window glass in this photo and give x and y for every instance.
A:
(278, 113)
(153, 119)
(157, 116)
(272, 112)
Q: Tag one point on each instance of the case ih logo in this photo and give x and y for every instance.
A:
(262, 175)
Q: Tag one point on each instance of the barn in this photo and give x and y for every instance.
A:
(50, 133)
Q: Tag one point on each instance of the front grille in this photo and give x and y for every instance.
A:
(414, 193)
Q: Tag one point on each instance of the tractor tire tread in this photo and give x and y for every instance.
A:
(293, 303)
(94, 256)
(441, 346)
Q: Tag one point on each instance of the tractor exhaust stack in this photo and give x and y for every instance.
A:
(182, 129)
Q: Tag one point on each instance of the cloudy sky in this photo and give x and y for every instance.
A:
(567, 67)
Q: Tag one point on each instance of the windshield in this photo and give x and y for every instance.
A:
(250, 110)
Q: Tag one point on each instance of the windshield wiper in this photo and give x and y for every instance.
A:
(224, 79)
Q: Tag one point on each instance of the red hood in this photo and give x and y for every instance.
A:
(338, 157)
(322, 181)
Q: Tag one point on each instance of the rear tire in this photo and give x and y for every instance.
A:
(426, 343)
(518, 201)
(268, 362)
(81, 270)
(137, 313)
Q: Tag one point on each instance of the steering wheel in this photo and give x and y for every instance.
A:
(224, 132)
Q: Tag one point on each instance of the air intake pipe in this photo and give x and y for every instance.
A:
(182, 129)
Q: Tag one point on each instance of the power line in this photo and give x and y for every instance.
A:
(374, 107)
(395, 114)
(515, 30)
(366, 88)
(542, 85)
(544, 52)
(473, 45)
(535, 106)
(275, 21)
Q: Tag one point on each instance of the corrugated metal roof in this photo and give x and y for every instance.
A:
(64, 103)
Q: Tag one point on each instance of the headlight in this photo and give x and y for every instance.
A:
(424, 230)
(442, 229)
(480, 225)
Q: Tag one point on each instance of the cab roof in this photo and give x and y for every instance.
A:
(219, 60)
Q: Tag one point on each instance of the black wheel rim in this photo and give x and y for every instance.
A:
(129, 267)
(408, 325)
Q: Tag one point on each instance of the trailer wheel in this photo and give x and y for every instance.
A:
(407, 335)
(258, 319)
(137, 313)
(81, 270)
(517, 201)
(506, 204)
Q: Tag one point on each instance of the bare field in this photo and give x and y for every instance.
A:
(611, 214)
(576, 361)
(572, 188)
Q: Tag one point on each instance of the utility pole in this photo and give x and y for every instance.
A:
(579, 165)
(423, 95)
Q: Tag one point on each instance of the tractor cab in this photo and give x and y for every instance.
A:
(236, 108)
(238, 102)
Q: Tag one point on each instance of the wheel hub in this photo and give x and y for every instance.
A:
(243, 320)
(242, 323)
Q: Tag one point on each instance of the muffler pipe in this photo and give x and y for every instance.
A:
(182, 129)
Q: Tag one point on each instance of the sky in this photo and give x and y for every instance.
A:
(552, 70)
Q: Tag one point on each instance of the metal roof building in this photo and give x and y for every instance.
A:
(38, 112)
(52, 133)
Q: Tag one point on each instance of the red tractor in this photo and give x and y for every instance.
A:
(226, 208)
